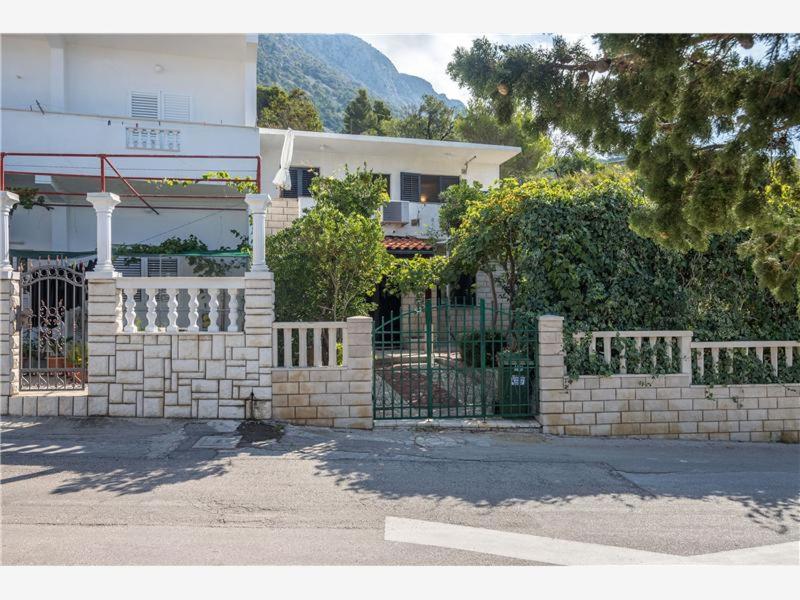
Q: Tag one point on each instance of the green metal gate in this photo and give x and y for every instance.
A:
(455, 361)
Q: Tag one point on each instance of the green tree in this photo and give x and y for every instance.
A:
(488, 236)
(418, 274)
(708, 124)
(364, 117)
(581, 260)
(432, 120)
(279, 109)
(479, 124)
(328, 263)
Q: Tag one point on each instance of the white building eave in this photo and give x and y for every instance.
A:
(370, 144)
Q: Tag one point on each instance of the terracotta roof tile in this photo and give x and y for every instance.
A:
(406, 244)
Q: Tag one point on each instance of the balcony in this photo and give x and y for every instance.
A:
(23, 131)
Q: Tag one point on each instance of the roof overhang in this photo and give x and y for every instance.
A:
(216, 45)
(370, 145)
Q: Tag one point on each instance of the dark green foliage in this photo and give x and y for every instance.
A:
(708, 126)
(202, 266)
(582, 261)
(455, 200)
(361, 116)
(470, 347)
(29, 197)
(328, 262)
(282, 110)
(741, 368)
(480, 125)
(358, 192)
(432, 120)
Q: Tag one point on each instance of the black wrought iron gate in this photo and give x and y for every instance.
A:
(454, 361)
(52, 327)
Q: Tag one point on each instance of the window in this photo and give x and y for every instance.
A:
(161, 105)
(301, 182)
(424, 188)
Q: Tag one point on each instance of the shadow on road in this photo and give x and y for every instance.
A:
(99, 454)
(483, 471)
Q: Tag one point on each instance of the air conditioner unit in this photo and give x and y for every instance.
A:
(396, 212)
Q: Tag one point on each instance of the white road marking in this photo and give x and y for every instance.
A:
(565, 552)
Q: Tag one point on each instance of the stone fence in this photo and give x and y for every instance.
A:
(668, 405)
(184, 362)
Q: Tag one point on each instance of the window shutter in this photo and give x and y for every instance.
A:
(445, 181)
(409, 187)
(292, 193)
(308, 175)
(144, 105)
(177, 107)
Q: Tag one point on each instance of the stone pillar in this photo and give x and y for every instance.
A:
(9, 338)
(551, 375)
(104, 312)
(104, 323)
(259, 314)
(7, 202)
(104, 204)
(257, 208)
(358, 375)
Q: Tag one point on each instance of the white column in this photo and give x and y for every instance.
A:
(104, 204)
(257, 208)
(7, 202)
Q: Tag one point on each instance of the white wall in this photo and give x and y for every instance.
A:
(98, 79)
(419, 160)
(25, 67)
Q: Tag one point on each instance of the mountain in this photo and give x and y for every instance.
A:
(332, 67)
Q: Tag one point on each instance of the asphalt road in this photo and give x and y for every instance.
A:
(118, 492)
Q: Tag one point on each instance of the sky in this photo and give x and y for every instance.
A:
(427, 55)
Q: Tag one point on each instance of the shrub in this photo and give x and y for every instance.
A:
(470, 347)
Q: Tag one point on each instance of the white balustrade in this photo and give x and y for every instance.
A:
(151, 311)
(691, 352)
(213, 310)
(744, 348)
(130, 309)
(291, 336)
(641, 339)
(183, 297)
(233, 311)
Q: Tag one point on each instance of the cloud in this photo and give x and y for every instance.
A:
(427, 55)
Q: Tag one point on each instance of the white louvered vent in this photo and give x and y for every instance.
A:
(144, 105)
(177, 107)
(129, 266)
(162, 267)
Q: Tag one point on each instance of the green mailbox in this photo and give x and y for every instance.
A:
(515, 386)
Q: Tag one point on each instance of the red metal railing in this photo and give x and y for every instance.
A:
(105, 160)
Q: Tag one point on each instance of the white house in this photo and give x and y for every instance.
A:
(170, 99)
(121, 113)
